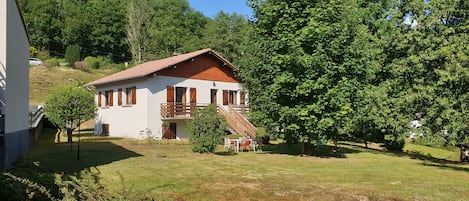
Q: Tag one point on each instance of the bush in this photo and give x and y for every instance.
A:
(32, 51)
(394, 143)
(205, 129)
(262, 134)
(72, 54)
(430, 140)
(92, 62)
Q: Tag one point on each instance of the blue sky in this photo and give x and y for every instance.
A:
(210, 8)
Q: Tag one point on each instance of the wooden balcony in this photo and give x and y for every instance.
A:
(180, 110)
(235, 115)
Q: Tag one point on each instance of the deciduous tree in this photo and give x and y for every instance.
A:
(69, 106)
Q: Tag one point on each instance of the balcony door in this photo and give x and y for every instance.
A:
(213, 96)
(181, 100)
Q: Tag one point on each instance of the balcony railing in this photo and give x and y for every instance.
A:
(180, 110)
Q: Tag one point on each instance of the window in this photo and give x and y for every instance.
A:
(229, 97)
(233, 97)
(131, 95)
(119, 96)
(213, 96)
(108, 95)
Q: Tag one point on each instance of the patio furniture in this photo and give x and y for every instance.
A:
(256, 146)
(227, 143)
(245, 143)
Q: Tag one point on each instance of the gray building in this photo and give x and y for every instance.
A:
(14, 84)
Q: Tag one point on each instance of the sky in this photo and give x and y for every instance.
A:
(210, 8)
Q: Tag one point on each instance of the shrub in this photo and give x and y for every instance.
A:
(394, 143)
(72, 54)
(430, 140)
(92, 62)
(205, 129)
(262, 134)
(32, 51)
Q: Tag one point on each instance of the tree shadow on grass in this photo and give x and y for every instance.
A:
(226, 153)
(428, 159)
(322, 151)
(55, 167)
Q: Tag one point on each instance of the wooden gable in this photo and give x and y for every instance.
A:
(203, 67)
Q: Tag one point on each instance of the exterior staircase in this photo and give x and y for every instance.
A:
(238, 123)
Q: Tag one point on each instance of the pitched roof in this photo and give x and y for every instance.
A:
(151, 67)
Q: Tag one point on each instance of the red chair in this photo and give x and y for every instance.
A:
(245, 144)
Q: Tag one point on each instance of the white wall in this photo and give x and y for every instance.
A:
(14, 83)
(17, 71)
(3, 52)
(158, 96)
(128, 121)
(125, 120)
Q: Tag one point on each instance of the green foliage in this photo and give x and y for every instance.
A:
(53, 62)
(227, 34)
(430, 140)
(138, 30)
(32, 51)
(96, 62)
(205, 129)
(70, 105)
(394, 143)
(365, 81)
(72, 54)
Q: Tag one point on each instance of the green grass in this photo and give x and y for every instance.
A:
(43, 80)
(131, 169)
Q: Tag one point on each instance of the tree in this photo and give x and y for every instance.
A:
(69, 106)
(205, 129)
(360, 69)
(44, 22)
(307, 64)
(175, 28)
(227, 34)
(72, 54)
(139, 18)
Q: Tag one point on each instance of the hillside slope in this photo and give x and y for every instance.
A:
(43, 80)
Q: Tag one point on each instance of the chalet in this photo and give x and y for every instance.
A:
(14, 84)
(158, 97)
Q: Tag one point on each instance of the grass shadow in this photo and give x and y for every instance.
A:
(428, 159)
(226, 153)
(56, 166)
(63, 158)
(446, 166)
(322, 151)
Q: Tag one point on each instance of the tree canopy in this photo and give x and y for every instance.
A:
(70, 105)
(356, 68)
(137, 31)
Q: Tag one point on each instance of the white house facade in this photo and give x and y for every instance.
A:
(157, 98)
(14, 84)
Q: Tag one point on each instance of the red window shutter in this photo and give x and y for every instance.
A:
(170, 94)
(111, 97)
(193, 94)
(225, 97)
(134, 95)
(119, 96)
(99, 99)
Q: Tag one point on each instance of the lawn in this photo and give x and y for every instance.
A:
(124, 169)
(44, 79)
